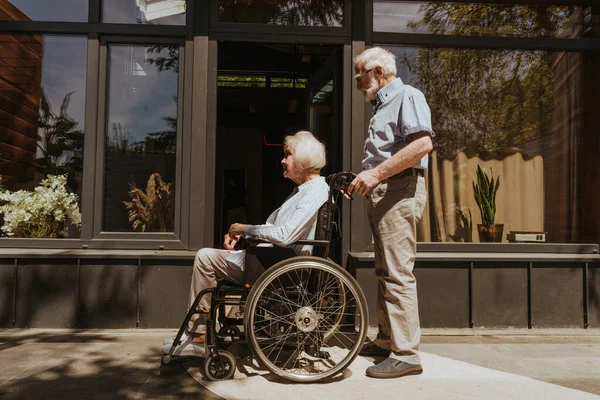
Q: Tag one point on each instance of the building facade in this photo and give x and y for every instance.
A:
(164, 120)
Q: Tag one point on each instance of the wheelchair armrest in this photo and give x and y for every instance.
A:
(301, 242)
(312, 242)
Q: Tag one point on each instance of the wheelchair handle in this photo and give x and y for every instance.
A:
(340, 180)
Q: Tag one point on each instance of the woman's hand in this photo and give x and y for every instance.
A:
(236, 230)
(229, 242)
(233, 236)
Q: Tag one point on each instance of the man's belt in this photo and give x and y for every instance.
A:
(408, 172)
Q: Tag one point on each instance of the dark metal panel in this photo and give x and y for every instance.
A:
(499, 295)
(481, 42)
(196, 150)
(522, 2)
(359, 235)
(186, 137)
(359, 21)
(107, 294)
(102, 111)
(91, 132)
(83, 28)
(210, 143)
(443, 291)
(179, 142)
(594, 295)
(140, 242)
(242, 29)
(46, 293)
(9, 243)
(368, 283)
(164, 293)
(94, 11)
(283, 37)
(8, 278)
(545, 248)
(149, 40)
(369, 22)
(345, 84)
(557, 295)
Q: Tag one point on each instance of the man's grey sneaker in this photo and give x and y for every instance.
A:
(169, 340)
(372, 350)
(392, 368)
(187, 348)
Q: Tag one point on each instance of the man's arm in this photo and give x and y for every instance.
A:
(405, 158)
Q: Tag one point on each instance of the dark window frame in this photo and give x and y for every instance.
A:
(100, 238)
(278, 33)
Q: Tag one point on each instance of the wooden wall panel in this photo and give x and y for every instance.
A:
(20, 88)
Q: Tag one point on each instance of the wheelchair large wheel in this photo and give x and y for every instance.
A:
(306, 319)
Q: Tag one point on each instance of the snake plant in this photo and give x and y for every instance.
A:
(485, 195)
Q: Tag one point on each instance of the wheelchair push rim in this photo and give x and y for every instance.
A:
(306, 319)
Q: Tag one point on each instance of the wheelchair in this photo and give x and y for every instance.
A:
(305, 319)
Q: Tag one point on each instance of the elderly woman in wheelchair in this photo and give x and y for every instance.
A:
(305, 317)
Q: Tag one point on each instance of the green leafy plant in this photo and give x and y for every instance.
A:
(151, 211)
(485, 195)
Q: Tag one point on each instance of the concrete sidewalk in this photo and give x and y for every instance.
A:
(125, 364)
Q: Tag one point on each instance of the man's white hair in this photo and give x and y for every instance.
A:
(377, 56)
(309, 153)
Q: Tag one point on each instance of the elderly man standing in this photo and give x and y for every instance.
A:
(394, 164)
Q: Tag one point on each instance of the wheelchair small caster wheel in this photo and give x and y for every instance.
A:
(165, 360)
(219, 367)
(229, 333)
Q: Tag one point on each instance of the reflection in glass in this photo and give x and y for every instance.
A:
(516, 113)
(152, 12)
(476, 19)
(42, 104)
(283, 12)
(44, 10)
(141, 135)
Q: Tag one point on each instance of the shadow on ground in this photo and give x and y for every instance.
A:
(80, 366)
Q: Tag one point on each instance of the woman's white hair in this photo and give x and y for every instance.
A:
(377, 56)
(309, 153)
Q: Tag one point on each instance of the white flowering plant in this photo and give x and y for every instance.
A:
(42, 213)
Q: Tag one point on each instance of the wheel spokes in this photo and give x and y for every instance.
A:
(298, 321)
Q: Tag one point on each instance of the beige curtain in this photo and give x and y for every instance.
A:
(519, 201)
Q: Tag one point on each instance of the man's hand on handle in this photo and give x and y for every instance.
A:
(364, 182)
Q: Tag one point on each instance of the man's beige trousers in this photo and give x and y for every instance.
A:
(396, 207)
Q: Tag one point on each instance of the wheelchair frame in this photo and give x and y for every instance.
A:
(221, 364)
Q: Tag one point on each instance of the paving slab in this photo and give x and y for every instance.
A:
(125, 364)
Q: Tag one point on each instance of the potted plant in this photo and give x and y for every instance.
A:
(485, 195)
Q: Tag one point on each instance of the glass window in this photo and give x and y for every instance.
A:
(283, 12)
(46, 10)
(42, 109)
(153, 12)
(141, 136)
(475, 19)
(522, 117)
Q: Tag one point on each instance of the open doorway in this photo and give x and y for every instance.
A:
(265, 92)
